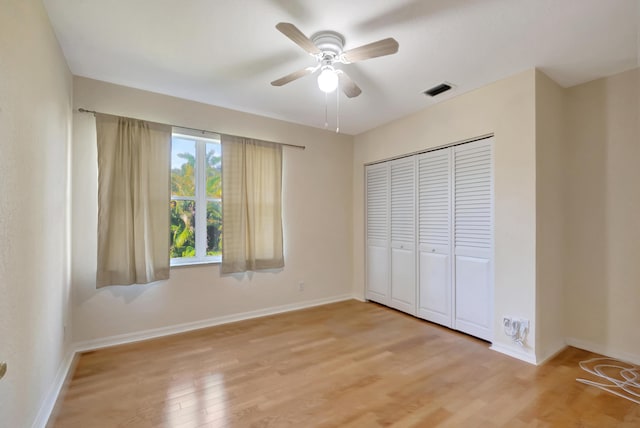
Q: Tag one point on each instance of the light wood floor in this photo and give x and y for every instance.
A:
(348, 364)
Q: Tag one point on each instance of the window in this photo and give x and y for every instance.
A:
(196, 204)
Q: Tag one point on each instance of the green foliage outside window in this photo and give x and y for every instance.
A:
(214, 208)
(183, 212)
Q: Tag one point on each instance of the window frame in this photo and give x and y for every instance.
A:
(200, 198)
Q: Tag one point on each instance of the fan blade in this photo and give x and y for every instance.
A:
(298, 37)
(372, 50)
(348, 86)
(294, 76)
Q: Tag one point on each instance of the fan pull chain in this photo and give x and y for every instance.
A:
(326, 111)
(337, 112)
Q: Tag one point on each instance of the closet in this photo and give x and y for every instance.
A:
(429, 233)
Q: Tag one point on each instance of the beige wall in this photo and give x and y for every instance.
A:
(35, 117)
(551, 161)
(603, 252)
(317, 218)
(507, 109)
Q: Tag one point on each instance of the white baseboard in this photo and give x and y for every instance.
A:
(50, 399)
(559, 348)
(515, 353)
(137, 336)
(605, 350)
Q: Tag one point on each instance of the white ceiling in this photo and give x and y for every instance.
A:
(225, 52)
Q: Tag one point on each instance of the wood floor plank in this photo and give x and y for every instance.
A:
(348, 364)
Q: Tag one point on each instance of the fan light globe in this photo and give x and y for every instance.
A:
(328, 80)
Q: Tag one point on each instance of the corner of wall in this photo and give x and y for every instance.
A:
(602, 270)
(550, 137)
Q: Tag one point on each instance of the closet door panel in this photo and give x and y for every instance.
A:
(434, 294)
(377, 229)
(378, 273)
(473, 293)
(434, 236)
(473, 238)
(403, 284)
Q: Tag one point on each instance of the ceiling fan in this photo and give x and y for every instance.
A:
(327, 48)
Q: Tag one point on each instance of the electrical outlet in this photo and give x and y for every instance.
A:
(523, 326)
(506, 321)
(516, 328)
(520, 322)
(301, 286)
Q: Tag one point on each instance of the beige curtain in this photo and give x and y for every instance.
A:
(251, 205)
(133, 201)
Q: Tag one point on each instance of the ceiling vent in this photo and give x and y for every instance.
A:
(437, 90)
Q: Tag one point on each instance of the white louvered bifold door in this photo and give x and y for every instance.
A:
(434, 237)
(403, 235)
(377, 229)
(473, 238)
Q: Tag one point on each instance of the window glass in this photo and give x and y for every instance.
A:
(214, 228)
(183, 167)
(196, 182)
(183, 227)
(214, 171)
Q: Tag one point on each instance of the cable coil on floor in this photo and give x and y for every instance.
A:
(622, 379)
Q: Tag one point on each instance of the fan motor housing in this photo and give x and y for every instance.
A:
(329, 42)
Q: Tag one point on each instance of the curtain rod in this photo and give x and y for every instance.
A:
(84, 110)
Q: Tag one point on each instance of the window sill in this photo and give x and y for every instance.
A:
(194, 263)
